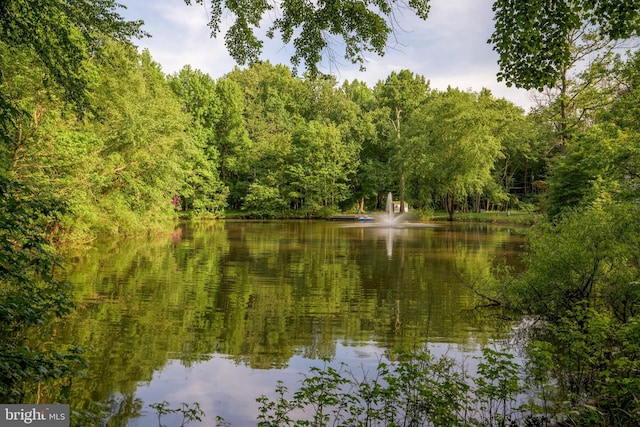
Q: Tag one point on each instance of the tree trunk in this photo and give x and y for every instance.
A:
(402, 191)
(476, 203)
(397, 125)
(450, 205)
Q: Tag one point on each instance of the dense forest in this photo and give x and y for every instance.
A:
(144, 146)
(262, 142)
(97, 139)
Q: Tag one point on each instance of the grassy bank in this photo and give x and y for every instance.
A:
(498, 217)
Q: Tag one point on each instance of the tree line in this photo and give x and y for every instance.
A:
(259, 141)
(126, 146)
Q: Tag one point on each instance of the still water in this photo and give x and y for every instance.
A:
(217, 312)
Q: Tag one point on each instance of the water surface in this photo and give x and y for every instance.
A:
(218, 312)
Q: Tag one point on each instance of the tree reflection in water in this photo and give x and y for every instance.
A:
(244, 304)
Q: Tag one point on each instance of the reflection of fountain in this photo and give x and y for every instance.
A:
(391, 226)
(389, 240)
(394, 225)
(389, 221)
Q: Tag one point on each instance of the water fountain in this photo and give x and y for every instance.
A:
(389, 219)
(392, 226)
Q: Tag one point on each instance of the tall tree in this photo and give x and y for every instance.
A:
(232, 139)
(52, 38)
(329, 104)
(361, 127)
(625, 113)
(203, 192)
(589, 173)
(373, 169)
(141, 125)
(321, 165)
(274, 102)
(450, 148)
(401, 93)
(522, 153)
(603, 162)
(571, 103)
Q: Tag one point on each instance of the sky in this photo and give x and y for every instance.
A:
(449, 48)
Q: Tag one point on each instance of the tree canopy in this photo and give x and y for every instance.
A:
(363, 25)
(534, 38)
(63, 34)
(451, 148)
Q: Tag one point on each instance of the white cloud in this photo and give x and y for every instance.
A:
(449, 49)
(179, 36)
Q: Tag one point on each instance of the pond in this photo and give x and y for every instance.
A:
(217, 312)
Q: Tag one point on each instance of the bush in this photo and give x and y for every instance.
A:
(29, 294)
(582, 285)
(418, 390)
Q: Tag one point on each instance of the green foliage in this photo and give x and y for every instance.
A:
(402, 93)
(586, 370)
(624, 111)
(497, 385)
(587, 259)
(119, 167)
(202, 193)
(264, 201)
(398, 99)
(418, 389)
(591, 173)
(28, 258)
(523, 156)
(240, 130)
(539, 371)
(189, 412)
(625, 114)
(363, 25)
(534, 38)
(274, 145)
(30, 295)
(451, 149)
(140, 126)
(430, 391)
(62, 35)
(582, 280)
(50, 167)
(303, 148)
(274, 102)
(321, 165)
(154, 148)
